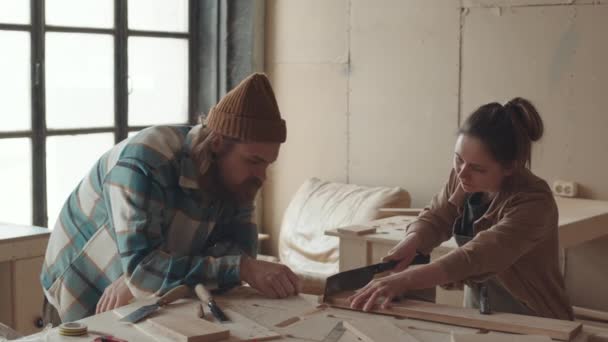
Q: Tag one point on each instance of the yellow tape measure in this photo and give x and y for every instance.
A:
(73, 329)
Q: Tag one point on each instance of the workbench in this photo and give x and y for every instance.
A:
(309, 322)
(580, 221)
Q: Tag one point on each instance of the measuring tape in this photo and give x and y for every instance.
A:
(73, 329)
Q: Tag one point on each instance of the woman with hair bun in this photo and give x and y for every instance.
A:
(502, 216)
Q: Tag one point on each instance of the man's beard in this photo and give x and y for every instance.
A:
(242, 193)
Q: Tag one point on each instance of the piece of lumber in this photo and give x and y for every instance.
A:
(492, 337)
(245, 329)
(190, 330)
(357, 230)
(241, 327)
(595, 315)
(505, 322)
(377, 330)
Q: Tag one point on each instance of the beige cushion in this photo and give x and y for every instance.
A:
(320, 205)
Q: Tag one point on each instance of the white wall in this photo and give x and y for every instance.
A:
(373, 91)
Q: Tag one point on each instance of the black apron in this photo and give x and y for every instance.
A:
(499, 299)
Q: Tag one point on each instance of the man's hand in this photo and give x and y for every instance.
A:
(115, 295)
(271, 279)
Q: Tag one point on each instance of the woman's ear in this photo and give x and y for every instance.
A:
(509, 168)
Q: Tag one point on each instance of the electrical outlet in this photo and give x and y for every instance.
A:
(565, 188)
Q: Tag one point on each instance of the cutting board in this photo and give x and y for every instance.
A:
(241, 328)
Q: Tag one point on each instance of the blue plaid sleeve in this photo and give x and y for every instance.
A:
(135, 201)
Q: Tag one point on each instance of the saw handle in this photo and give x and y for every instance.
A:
(419, 259)
(173, 295)
(202, 293)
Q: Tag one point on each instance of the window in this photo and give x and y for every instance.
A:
(78, 77)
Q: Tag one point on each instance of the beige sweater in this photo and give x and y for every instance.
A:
(516, 241)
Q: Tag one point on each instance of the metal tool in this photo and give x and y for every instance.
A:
(484, 300)
(169, 297)
(359, 277)
(205, 296)
(336, 333)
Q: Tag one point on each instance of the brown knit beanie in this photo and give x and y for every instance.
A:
(249, 113)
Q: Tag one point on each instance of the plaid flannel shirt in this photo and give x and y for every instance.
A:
(140, 212)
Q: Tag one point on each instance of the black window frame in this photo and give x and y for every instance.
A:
(39, 132)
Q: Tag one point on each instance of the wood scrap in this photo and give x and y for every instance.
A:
(505, 322)
(357, 230)
(190, 330)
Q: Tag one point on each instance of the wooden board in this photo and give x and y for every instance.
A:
(492, 337)
(241, 327)
(357, 230)
(190, 329)
(505, 322)
(245, 329)
(378, 330)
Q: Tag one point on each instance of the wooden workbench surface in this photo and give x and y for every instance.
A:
(313, 324)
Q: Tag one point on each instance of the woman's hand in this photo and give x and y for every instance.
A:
(404, 252)
(396, 284)
(387, 287)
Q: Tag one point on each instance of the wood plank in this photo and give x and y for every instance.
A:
(378, 330)
(245, 329)
(493, 337)
(505, 322)
(357, 230)
(190, 330)
(595, 315)
(241, 328)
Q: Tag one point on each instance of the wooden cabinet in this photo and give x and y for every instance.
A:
(22, 251)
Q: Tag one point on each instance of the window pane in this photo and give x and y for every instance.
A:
(158, 15)
(68, 160)
(14, 12)
(16, 181)
(89, 13)
(79, 80)
(15, 89)
(158, 72)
